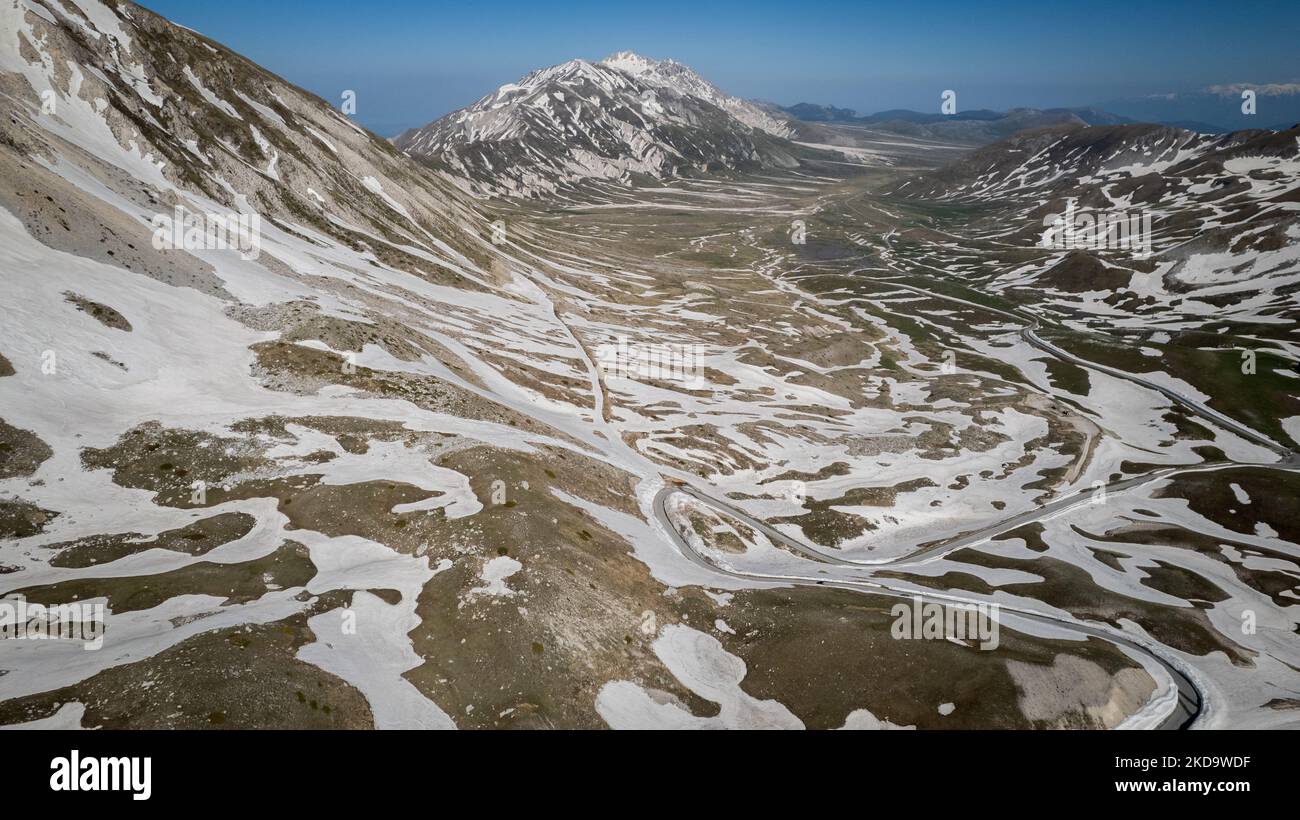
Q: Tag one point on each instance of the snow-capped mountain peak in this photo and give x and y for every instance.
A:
(684, 80)
(580, 120)
(631, 62)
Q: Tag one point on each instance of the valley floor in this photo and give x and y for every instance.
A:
(676, 466)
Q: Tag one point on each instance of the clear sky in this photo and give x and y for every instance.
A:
(411, 62)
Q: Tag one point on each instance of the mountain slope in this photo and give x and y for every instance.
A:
(238, 452)
(682, 79)
(579, 120)
(1223, 211)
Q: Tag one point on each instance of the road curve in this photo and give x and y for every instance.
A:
(1183, 715)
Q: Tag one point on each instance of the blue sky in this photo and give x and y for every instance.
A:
(411, 62)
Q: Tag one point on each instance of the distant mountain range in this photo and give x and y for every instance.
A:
(1217, 109)
(810, 112)
(1214, 110)
(823, 123)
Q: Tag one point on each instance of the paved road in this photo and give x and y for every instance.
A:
(1183, 714)
(1189, 703)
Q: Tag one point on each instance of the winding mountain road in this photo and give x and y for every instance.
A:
(1183, 712)
(1189, 702)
